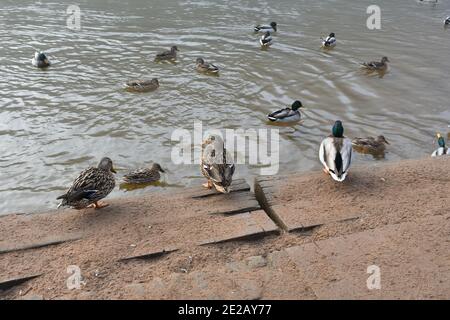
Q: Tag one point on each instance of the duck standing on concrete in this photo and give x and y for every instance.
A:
(443, 149)
(167, 55)
(40, 60)
(92, 185)
(335, 153)
(216, 164)
(370, 144)
(144, 175)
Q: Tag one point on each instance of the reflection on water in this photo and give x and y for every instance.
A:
(56, 122)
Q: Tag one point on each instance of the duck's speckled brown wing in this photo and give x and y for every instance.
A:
(94, 179)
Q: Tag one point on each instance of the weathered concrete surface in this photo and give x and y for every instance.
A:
(199, 244)
(257, 277)
(383, 191)
(413, 260)
(144, 228)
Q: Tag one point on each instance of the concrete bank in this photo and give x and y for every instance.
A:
(299, 237)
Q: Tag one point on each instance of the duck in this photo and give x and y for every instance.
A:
(370, 144)
(205, 67)
(291, 114)
(144, 175)
(447, 21)
(264, 28)
(266, 40)
(142, 85)
(330, 41)
(335, 153)
(168, 55)
(40, 60)
(91, 185)
(443, 149)
(375, 65)
(216, 164)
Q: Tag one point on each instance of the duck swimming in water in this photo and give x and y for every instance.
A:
(330, 41)
(144, 175)
(92, 185)
(376, 66)
(447, 21)
(335, 153)
(266, 40)
(167, 55)
(205, 67)
(40, 60)
(216, 164)
(142, 85)
(291, 114)
(264, 28)
(443, 149)
(370, 144)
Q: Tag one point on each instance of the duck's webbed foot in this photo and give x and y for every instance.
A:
(100, 205)
(208, 185)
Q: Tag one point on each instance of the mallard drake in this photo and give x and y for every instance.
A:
(335, 153)
(291, 114)
(266, 40)
(144, 175)
(216, 164)
(40, 60)
(92, 185)
(168, 55)
(142, 85)
(375, 65)
(443, 149)
(447, 21)
(205, 67)
(370, 144)
(264, 28)
(329, 41)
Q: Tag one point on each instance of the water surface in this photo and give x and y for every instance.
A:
(56, 122)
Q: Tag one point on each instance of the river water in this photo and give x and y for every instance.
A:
(56, 122)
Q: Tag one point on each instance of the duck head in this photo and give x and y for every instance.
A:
(174, 48)
(273, 25)
(338, 129)
(382, 139)
(40, 56)
(200, 61)
(441, 141)
(107, 165)
(384, 60)
(157, 167)
(155, 81)
(296, 105)
(332, 35)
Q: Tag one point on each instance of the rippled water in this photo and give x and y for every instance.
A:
(56, 122)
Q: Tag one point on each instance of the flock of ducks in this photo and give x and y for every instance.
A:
(216, 165)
